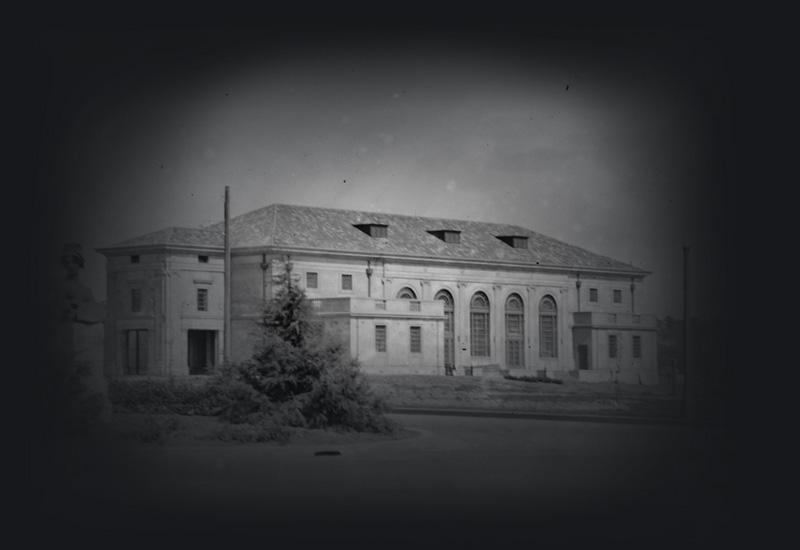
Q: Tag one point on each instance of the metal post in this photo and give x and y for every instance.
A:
(227, 326)
(684, 406)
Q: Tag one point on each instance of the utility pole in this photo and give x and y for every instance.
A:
(226, 357)
(684, 406)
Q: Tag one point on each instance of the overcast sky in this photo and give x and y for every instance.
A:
(603, 139)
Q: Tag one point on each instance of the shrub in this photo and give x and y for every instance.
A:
(297, 377)
(542, 379)
(165, 396)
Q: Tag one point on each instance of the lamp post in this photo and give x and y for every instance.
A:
(369, 279)
(578, 284)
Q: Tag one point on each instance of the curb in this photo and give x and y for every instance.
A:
(529, 415)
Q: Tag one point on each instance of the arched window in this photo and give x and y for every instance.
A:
(449, 339)
(406, 293)
(548, 327)
(515, 331)
(479, 325)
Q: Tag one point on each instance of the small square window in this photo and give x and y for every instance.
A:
(380, 338)
(592, 294)
(135, 259)
(612, 346)
(347, 282)
(136, 300)
(202, 259)
(617, 296)
(311, 280)
(416, 339)
(202, 299)
(452, 237)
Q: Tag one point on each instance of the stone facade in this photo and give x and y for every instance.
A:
(425, 304)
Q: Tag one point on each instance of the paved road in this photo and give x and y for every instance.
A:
(457, 481)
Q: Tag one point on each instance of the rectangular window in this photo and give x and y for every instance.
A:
(379, 231)
(202, 259)
(347, 282)
(202, 299)
(612, 346)
(592, 294)
(479, 334)
(617, 296)
(311, 280)
(452, 237)
(136, 351)
(380, 338)
(135, 259)
(637, 347)
(547, 333)
(416, 339)
(136, 300)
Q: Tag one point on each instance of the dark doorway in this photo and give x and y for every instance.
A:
(583, 357)
(202, 351)
(136, 351)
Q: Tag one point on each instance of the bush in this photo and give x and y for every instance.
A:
(313, 386)
(297, 377)
(543, 379)
(165, 396)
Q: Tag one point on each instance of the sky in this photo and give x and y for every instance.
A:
(606, 138)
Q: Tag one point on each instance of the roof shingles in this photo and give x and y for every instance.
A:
(334, 230)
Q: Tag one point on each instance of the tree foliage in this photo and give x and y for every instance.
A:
(298, 377)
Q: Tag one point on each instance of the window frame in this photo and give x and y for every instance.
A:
(613, 346)
(316, 279)
(380, 338)
(346, 277)
(415, 343)
(480, 326)
(548, 320)
(201, 297)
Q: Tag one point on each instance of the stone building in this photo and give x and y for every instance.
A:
(406, 294)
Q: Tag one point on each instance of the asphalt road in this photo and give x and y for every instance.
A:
(455, 482)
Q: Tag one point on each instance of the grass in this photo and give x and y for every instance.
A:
(456, 392)
(498, 393)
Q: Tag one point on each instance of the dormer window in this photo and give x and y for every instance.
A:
(447, 235)
(514, 241)
(373, 229)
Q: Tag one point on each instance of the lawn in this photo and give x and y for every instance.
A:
(160, 423)
(496, 393)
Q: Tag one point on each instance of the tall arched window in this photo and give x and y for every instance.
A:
(548, 327)
(449, 333)
(479, 325)
(515, 331)
(406, 293)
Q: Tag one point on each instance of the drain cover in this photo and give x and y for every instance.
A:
(327, 453)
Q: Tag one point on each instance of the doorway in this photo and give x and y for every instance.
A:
(202, 351)
(583, 357)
